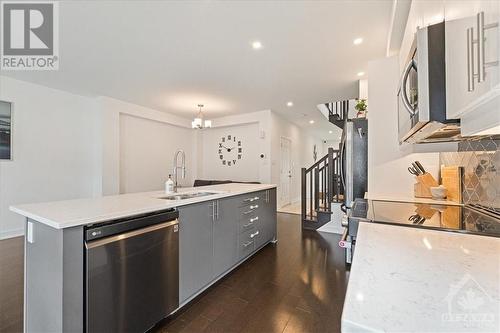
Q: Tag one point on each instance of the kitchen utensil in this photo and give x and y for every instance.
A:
(438, 192)
(413, 171)
(420, 166)
(416, 168)
(416, 219)
(451, 178)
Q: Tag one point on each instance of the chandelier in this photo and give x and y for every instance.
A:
(198, 122)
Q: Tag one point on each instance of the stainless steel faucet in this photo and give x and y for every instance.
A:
(177, 167)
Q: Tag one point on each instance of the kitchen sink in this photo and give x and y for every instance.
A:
(185, 196)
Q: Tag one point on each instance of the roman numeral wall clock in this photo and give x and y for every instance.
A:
(230, 150)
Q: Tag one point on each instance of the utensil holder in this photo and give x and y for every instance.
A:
(422, 188)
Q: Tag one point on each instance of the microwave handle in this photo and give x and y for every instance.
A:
(404, 96)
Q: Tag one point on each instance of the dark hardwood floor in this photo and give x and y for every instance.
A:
(11, 284)
(297, 285)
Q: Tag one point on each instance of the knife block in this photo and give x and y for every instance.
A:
(422, 187)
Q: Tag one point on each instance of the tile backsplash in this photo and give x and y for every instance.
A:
(480, 159)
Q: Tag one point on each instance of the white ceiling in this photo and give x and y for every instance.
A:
(173, 55)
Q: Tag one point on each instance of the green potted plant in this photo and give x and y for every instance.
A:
(361, 108)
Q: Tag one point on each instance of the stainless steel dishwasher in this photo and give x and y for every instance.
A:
(132, 272)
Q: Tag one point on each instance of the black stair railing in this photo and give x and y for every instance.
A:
(338, 113)
(320, 186)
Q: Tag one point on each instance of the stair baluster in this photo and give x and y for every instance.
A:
(320, 187)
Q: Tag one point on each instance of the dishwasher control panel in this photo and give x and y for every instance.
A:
(110, 228)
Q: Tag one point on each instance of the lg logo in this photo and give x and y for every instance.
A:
(29, 35)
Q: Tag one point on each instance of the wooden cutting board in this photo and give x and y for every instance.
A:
(451, 178)
(451, 217)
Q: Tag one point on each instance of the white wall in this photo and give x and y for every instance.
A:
(271, 127)
(158, 133)
(260, 120)
(387, 160)
(246, 169)
(301, 152)
(147, 149)
(54, 149)
(330, 143)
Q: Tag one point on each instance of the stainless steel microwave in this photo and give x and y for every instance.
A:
(422, 91)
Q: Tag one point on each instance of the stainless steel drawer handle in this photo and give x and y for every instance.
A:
(251, 199)
(481, 59)
(470, 59)
(254, 234)
(254, 219)
(253, 207)
(248, 243)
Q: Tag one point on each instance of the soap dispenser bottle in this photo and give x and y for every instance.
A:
(169, 185)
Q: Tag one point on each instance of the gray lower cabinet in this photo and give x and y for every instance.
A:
(267, 219)
(225, 235)
(195, 248)
(216, 235)
(257, 221)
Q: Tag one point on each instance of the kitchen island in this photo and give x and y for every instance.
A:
(217, 231)
(406, 280)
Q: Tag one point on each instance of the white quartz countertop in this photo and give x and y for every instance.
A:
(415, 280)
(70, 213)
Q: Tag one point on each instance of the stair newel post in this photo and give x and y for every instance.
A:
(303, 181)
(330, 178)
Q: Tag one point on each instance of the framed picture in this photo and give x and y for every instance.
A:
(5, 130)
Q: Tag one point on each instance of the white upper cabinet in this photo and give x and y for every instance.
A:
(472, 69)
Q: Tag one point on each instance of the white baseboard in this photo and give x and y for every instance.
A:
(4, 234)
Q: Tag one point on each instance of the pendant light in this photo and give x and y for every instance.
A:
(198, 122)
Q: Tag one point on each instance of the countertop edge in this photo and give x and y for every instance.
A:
(161, 206)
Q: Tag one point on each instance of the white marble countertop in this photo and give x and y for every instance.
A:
(70, 213)
(416, 280)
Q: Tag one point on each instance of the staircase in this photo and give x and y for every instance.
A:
(337, 112)
(320, 186)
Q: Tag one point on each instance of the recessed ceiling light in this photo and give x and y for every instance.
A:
(256, 44)
(289, 104)
(361, 73)
(330, 132)
(358, 41)
(311, 121)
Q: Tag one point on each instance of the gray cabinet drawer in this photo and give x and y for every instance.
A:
(252, 198)
(250, 209)
(247, 222)
(246, 243)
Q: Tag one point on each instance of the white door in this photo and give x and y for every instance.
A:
(286, 171)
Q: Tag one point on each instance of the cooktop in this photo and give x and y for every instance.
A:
(432, 216)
